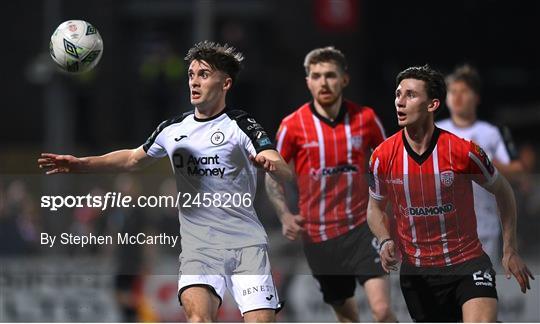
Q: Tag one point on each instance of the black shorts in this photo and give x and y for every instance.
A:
(437, 294)
(339, 262)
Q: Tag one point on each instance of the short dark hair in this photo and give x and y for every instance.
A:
(434, 80)
(224, 58)
(325, 54)
(467, 74)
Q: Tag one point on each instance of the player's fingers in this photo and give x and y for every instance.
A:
(48, 155)
(507, 271)
(299, 229)
(53, 171)
(291, 235)
(390, 266)
(529, 273)
(386, 258)
(267, 165)
(383, 264)
(525, 278)
(391, 251)
(519, 279)
(298, 219)
(256, 162)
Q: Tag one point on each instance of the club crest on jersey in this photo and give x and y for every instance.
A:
(447, 178)
(217, 138)
(356, 142)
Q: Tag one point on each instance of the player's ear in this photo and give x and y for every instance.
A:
(434, 105)
(477, 99)
(346, 79)
(227, 84)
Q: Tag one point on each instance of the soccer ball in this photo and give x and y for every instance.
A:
(76, 46)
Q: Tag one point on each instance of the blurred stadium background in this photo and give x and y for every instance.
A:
(141, 80)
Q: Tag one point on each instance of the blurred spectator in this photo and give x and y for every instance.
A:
(528, 202)
(130, 258)
(19, 224)
(463, 98)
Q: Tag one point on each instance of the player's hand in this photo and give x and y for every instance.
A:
(513, 264)
(292, 226)
(262, 162)
(54, 163)
(388, 256)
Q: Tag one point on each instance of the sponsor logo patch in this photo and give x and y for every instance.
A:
(427, 210)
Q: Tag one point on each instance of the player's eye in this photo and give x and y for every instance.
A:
(331, 75)
(315, 76)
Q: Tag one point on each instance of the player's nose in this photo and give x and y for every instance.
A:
(194, 83)
(400, 102)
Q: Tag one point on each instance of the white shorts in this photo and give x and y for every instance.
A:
(244, 272)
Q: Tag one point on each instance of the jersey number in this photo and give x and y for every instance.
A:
(478, 276)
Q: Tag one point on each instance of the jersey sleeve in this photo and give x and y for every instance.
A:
(286, 142)
(254, 138)
(480, 167)
(505, 149)
(376, 131)
(153, 145)
(377, 188)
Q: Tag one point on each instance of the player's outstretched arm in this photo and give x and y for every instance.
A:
(512, 262)
(378, 224)
(274, 165)
(292, 225)
(122, 160)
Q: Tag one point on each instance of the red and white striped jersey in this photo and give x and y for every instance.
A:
(330, 160)
(432, 196)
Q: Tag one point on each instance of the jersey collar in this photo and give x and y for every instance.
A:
(210, 118)
(331, 123)
(415, 156)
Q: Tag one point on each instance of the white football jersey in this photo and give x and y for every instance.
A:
(489, 138)
(215, 178)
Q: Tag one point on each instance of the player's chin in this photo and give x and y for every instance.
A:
(326, 100)
(196, 100)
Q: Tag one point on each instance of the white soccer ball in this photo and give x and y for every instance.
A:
(76, 46)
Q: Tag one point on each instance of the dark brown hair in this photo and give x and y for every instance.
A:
(224, 58)
(434, 80)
